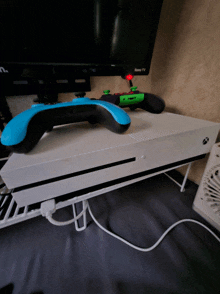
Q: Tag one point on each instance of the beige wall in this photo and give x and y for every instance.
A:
(186, 63)
(185, 67)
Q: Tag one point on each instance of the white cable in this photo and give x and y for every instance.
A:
(57, 223)
(159, 240)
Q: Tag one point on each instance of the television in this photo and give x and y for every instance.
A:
(63, 43)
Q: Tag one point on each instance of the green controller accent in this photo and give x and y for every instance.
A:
(133, 89)
(131, 99)
(106, 92)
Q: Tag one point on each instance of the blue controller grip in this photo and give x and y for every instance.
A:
(23, 132)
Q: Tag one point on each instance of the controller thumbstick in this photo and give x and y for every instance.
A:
(106, 92)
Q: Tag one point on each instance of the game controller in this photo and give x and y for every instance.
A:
(24, 131)
(134, 99)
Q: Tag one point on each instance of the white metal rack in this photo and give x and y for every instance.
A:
(11, 213)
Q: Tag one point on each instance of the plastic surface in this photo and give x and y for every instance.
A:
(207, 200)
(80, 109)
(131, 99)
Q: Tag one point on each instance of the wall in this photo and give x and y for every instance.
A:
(185, 66)
(186, 62)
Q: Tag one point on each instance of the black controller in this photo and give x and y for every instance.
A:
(134, 99)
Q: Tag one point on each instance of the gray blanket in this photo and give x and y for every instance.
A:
(38, 257)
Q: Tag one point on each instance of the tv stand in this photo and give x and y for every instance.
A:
(46, 81)
(5, 114)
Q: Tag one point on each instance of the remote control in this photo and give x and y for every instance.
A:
(134, 99)
(24, 131)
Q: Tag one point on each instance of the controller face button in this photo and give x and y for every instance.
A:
(106, 92)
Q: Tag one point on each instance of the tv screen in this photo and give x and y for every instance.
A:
(96, 37)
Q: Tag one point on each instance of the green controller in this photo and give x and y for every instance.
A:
(134, 99)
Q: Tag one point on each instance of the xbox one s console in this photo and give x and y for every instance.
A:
(83, 157)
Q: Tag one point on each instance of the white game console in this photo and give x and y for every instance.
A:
(80, 158)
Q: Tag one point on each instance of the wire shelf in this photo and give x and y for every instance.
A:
(11, 213)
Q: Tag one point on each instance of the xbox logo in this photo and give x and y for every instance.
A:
(205, 141)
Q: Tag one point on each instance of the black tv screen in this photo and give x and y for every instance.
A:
(100, 37)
